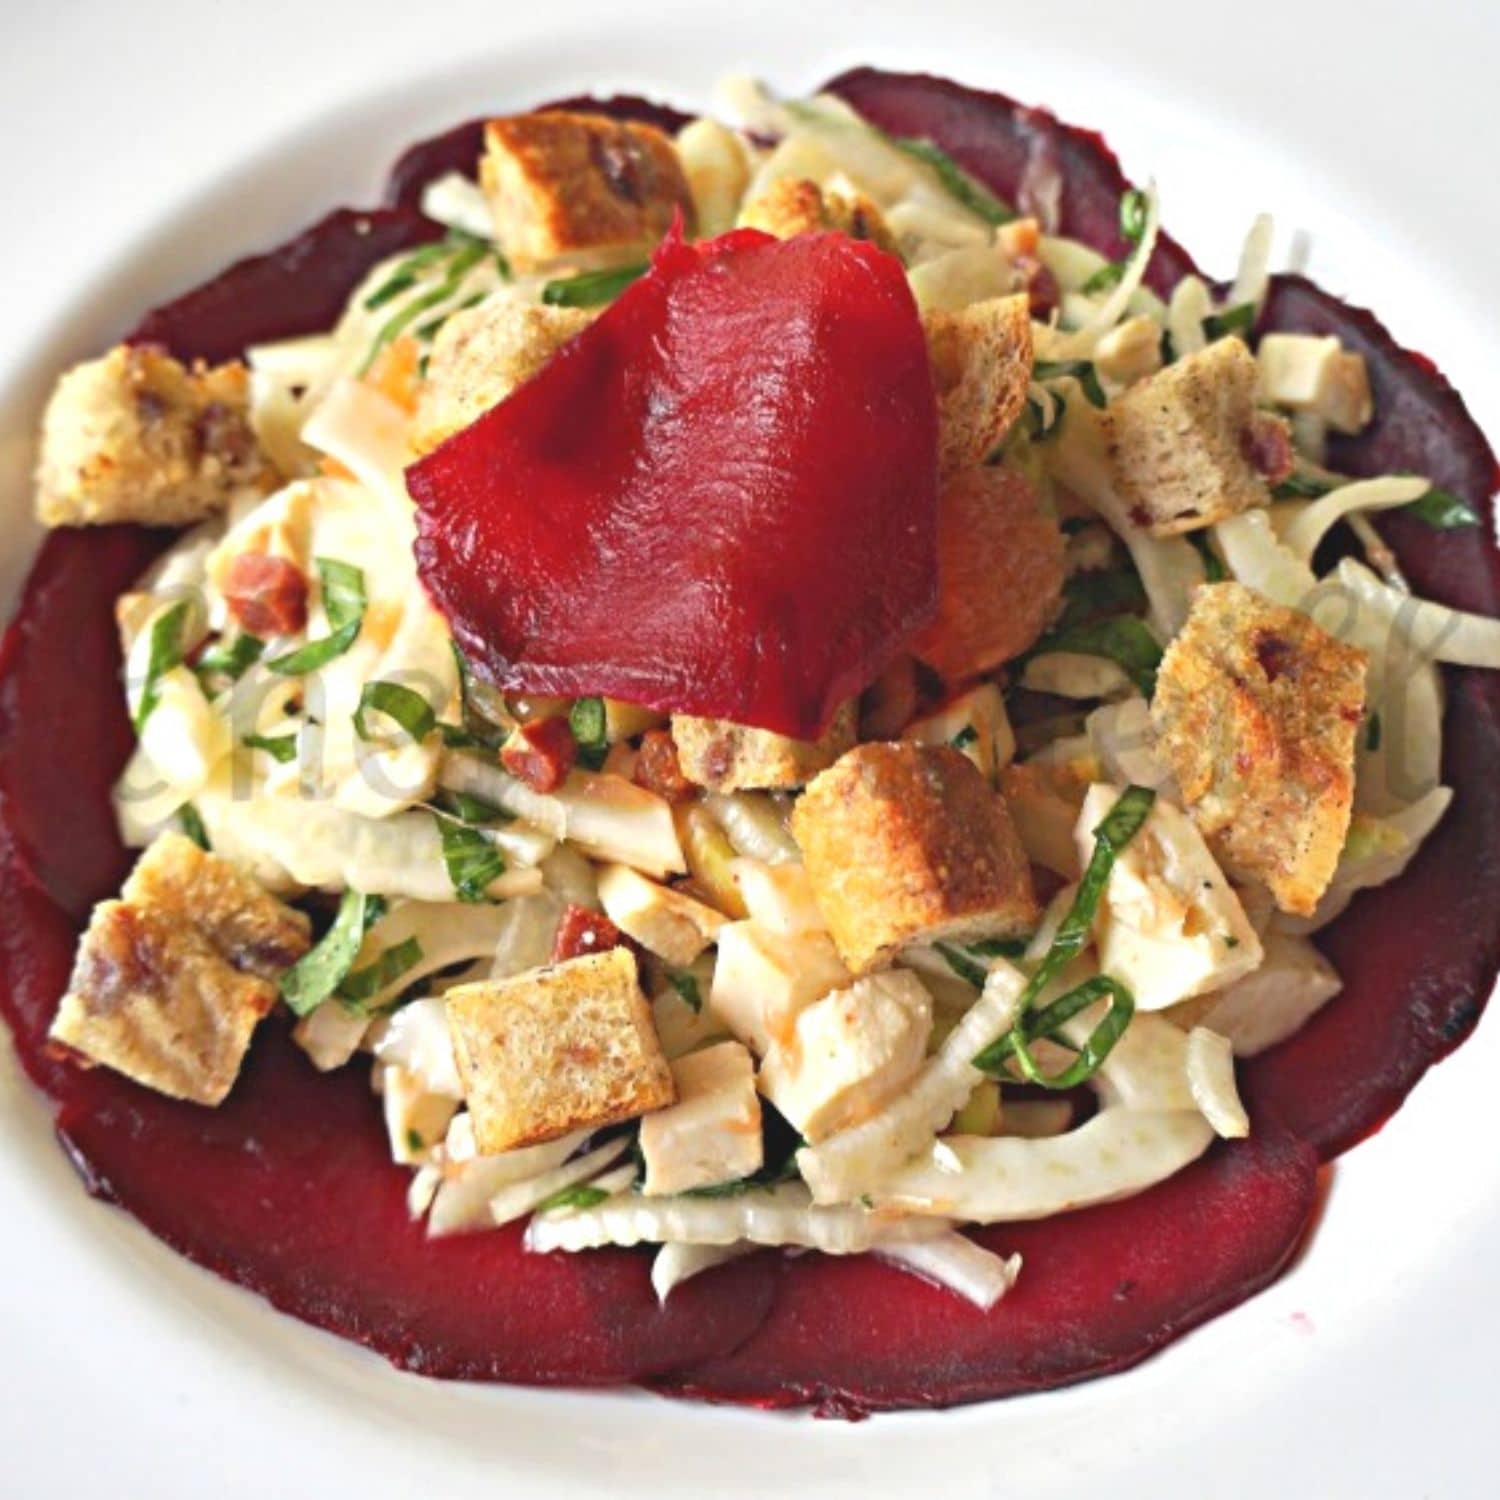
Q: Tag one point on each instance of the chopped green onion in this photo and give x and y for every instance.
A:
(1121, 824)
(1124, 639)
(231, 659)
(1133, 214)
(164, 654)
(959, 184)
(360, 985)
(426, 332)
(591, 288)
(468, 808)
(409, 709)
(587, 720)
(687, 991)
(282, 748)
(190, 820)
(1301, 487)
(473, 861)
(319, 972)
(1081, 369)
(1213, 569)
(582, 1195)
(1239, 319)
(1373, 733)
(1443, 510)
(343, 588)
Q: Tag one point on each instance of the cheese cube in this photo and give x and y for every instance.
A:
(779, 897)
(976, 724)
(712, 1134)
(673, 926)
(762, 980)
(1305, 373)
(415, 1120)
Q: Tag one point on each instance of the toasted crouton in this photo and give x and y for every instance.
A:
(729, 757)
(557, 1050)
(480, 356)
(136, 436)
(1256, 711)
(565, 184)
(981, 366)
(170, 982)
(1000, 573)
(792, 206)
(1181, 441)
(906, 843)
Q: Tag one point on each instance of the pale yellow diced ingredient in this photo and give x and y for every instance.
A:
(1130, 351)
(716, 163)
(762, 980)
(1316, 375)
(976, 724)
(712, 1134)
(670, 924)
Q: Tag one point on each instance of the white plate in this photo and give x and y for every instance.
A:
(145, 144)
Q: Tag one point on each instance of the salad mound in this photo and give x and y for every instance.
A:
(1002, 925)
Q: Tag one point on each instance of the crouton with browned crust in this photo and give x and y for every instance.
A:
(559, 1049)
(1257, 711)
(1182, 441)
(981, 366)
(729, 757)
(170, 981)
(563, 184)
(906, 843)
(1000, 573)
(138, 436)
(793, 206)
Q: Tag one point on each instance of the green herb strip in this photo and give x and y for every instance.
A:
(1089, 597)
(363, 984)
(1133, 214)
(320, 971)
(1081, 369)
(344, 605)
(468, 808)
(1035, 419)
(409, 709)
(1214, 571)
(1373, 732)
(1123, 639)
(958, 184)
(164, 654)
(190, 820)
(1301, 487)
(1105, 278)
(404, 275)
(473, 862)
(1124, 820)
(1442, 510)
(462, 253)
(965, 737)
(282, 748)
(587, 720)
(591, 288)
(583, 1195)
(1000, 947)
(1239, 319)
(231, 659)
(687, 991)
(970, 970)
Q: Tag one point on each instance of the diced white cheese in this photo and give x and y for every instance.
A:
(331, 1034)
(418, 1041)
(849, 1052)
(712, 1134)
(975, 723)
(415, 1120)
(762, 980)
(1306, 373)
(1169, 925)
(778, 897)
(670, 924)
(1264, 1008)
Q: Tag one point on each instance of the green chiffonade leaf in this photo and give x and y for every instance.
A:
(164, 653)
(320, 971)
(1443, 510)
(587, 720)
(472, 860)
(1239, 319)
(229, 659)
(343, 587)
(1132, 226)
(591, 288)
(468, 808)
(1214, 570)
(581, 1195)
(455, 256)
(190, 820)
(1123, 821)
(958, 183)
(408, 708)
(388, 966)
(687, 991)
(1081, 369)
(1124, 639)
(282, 748)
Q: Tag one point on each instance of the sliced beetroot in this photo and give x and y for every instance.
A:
(457, 150)
(298, 288)
(1100, 1290)
(1007, 146)
(718, 499)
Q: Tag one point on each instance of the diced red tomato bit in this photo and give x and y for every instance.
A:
(583, 931)
(1268, 445)
(266, 595)
(541, 753)
(658, 769)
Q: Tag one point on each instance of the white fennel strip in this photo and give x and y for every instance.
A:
(1210, 1074)
(1319, 518)
(517, 1199)
(954, 1261)
(677, 1263)
(461, 1203)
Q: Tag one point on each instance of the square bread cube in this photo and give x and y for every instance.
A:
(907, 843)
(727, 757)
(565, 1048)
(981, 365)
(562, 184)
(712, 1134)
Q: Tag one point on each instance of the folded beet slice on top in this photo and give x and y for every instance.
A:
(720, 498)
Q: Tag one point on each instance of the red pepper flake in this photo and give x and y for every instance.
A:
(540, 753)
(658, 769)
(582, 931)
(266, 595)
(738, 459)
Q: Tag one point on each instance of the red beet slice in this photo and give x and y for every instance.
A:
(1101, 1289)
(720, 498)
(1004, 144)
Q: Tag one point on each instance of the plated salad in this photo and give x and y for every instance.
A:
(773, 755)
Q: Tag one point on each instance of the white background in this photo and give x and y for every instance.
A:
(142, 145)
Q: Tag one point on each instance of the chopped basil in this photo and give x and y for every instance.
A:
(1105, 278)
(1373, 733)
(582, 1195)
(1124, 639)
(343, 588)
(587, 720)
(591, 288)
(468, 808)
(1133, 214)
(970, 970)
(687, 991)
(389, 965)
(319, 972)
(769, 1176)
(1081, 369)
(1000, 947)
(965, 737)
(1213, 569)
(230, 659)
(1096, 595)
(409, 709)
(958, 183)
(476, 728)
(1123, 821)
(1443, 510)
(1239, 319)
(414, 1141)
(404, 275)
(190, 820)
(1301, 487)
(164, 653)
(464, 253)
(473, 862)
(282, 748)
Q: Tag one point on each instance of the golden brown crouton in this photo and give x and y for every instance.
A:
(793, 206)
(557, 1050)
(729, 757)
(565, 184)
(170, 981)
(981, 365)
(1000, 573)
(1256, 711)
(480, 356)
(906, 844)
(1181, 441)
(136, 436)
